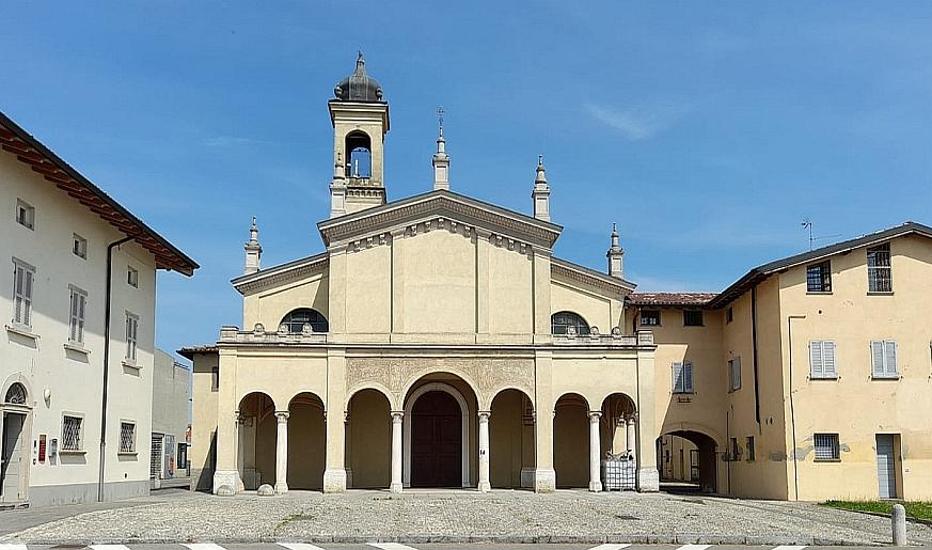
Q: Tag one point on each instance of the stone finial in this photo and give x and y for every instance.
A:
(615, 256)
(541, 193)
(441, 160)
(338, 188)
(253, 249)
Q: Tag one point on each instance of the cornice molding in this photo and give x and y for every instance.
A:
(577, 273)
(282, 274)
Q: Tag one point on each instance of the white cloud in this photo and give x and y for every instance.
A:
(638, 123)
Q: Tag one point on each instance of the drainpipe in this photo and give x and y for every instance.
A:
(754, 356)
(789, 338)
(103, 400)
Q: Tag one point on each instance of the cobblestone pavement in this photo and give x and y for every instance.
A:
(464, 517)
(429, 546)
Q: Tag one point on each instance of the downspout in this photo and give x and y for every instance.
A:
(754, 356)
(789, 337)
(104, 396)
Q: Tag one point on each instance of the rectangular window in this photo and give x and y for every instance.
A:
(822, 359)
(132, 331)
(650, 318)
(25, 214)
(215, 379)
(692, 318)
(879, 270)
(735, 449)
(729, 315)
(734, 374)
(683, 377)
(826, 447)
(127, 437)
(71, 433)
(23, 277)
(819, 277)
(79, 246)
(883, 359)
(752, 452)
(132, 276)
(76, 317)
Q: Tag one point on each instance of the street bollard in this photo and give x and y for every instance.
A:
(898, 518)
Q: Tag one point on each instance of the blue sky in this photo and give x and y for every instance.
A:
(706, 130)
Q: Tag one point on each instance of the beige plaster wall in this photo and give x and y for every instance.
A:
(571, 442)
(510, 440)
(271, 305)
(307, 443)
(205, 404)
(511, 283)
(369, 290)
(439, 283)
(594, 308)
(369, 445)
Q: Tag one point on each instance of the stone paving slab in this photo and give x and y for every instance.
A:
(462, 517)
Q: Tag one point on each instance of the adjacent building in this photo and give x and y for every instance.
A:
(171, 422)
(75, 389)
(437, 341)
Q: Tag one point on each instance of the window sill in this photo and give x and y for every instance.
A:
(828, 460)
(131, 365)
(824, 378)
(819, 292)
(21, 330)
(133, 453)
(885, 377)
(880, 293)
(72, 453)
(77, 348)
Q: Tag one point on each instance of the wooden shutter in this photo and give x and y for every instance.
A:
(877, 358)
(737, 373)
(828, 359)
(816, 366)
(677, 377)
(688, 377)
(890, 358)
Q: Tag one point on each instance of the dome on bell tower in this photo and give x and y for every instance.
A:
(359, 86)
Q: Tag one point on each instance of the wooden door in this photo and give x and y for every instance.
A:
(436, 441)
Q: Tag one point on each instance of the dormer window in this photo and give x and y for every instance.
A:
(25, 214)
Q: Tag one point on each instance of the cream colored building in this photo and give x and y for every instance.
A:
(438, 342)
(60, 235)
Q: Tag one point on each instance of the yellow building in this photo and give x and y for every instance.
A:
(437, 342)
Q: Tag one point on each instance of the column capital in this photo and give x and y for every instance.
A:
(484, 416)
(397, 416)
(282, 416)
(594, 416)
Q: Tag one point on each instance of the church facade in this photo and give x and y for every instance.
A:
(438, 342)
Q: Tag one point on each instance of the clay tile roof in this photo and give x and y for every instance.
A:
(678, 299)
(189, 351)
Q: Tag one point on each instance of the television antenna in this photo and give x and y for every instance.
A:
(807, 225)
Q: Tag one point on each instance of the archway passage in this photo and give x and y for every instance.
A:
(436, 441)
(511, 433)
(686, 461)
(571, 441)
(307, 442)
(257, 439)
(368, 440)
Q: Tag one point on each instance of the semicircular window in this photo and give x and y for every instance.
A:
(16, 395)
(561, 321)
(296, 320)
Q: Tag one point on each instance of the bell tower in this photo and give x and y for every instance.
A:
(360, 121)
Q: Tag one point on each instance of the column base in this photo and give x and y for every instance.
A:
(396, 487)
(648, 480)
(228, 480)
(281, 488)
(334, 480)
(485, 486)
(545, 480)
(595, 486)
(527, 478)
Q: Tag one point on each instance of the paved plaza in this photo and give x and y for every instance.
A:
(359, 517)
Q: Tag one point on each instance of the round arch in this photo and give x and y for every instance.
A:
(562, 321)
(256, 439)
(498, 391)
(571, 395)
(464, 413)
(512, 439)
(416, 377)
(373, 386)
(703, 461)
(571, 440)
(307, 441)
(367, 445)
(296, 320)
(16, 378)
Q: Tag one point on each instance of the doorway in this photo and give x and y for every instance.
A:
(12, 459)
(886, 466)
(436, 441)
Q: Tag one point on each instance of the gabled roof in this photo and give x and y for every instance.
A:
(761, 272)
(280, 274)
(672, 299)
(584, 274)
(43, 161)
(445, 204)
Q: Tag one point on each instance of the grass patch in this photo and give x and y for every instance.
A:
(918, 510)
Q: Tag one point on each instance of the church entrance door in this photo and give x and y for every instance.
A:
(436, 441)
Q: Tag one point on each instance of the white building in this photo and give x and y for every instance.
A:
(171, 423)
(60, 369)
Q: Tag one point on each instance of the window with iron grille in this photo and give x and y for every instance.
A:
(76, 318)
(295, 321)
(819, 277)
(23, 277)
(650, 318)
(132, 331)
(734, 374)
(683, 377)
(822, 359)
(883, 359)
(692, 318)
(562, 321)
(127, 437)
(826, 447)
(879, 270)
(71, 433)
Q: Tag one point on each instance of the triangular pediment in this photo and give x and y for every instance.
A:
(444, 205)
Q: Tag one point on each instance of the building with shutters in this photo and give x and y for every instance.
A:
(437, 341)
(75, 390)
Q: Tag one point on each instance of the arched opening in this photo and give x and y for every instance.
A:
(14, 448)
(511, 440)
(571, 441)
(359, 155)
(440, 426)
(368, 440)
(307, 442)
(305, 319)
(567, 322)
(257, 439)
(15, 394)
(686, 461)
(618, 441)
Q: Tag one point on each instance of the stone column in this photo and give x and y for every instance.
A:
(227, 470)
(595, 483)
(631, 432)
(348, 430)
(281, 453)
(335, 472)
(484, 484)
(545, 479)
(397, 417)
(646, 429)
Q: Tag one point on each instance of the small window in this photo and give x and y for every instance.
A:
(650, 318)
(734, 374)
(729, 315)
(879, 271)
(561, 323)
(71, 439)
(883, 359)
(692, 318)
(79, 246)
(683, 377)
(23, 277)
(735, 449)
(752, 452)
(819, 277)
(296, 320)
(822, 359)
(826, 447)
(132, 276)
(215, 379)
(25, 214)
(15, 395)
(77, 315)
(132, 333)
(127, 437)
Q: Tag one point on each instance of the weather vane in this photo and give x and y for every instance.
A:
(440, 113)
